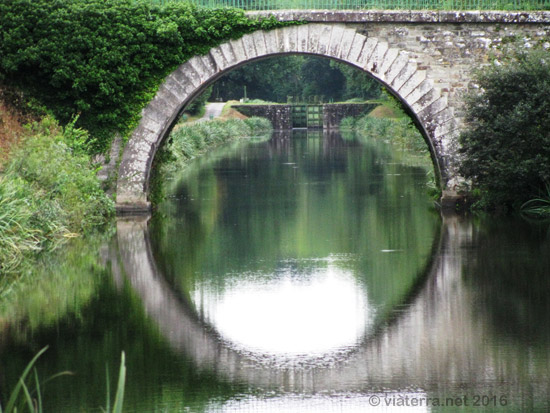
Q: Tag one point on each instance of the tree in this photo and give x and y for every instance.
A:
(302, 77)
(506, 147)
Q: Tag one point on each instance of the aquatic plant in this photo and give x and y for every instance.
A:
(538, 207)
(22, 398)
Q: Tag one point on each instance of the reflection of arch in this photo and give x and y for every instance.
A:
(414, 85)
(429, 343)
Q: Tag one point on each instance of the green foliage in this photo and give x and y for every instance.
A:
(22, 396)
(191, 140)
(538, 207)
(302, 77)
(198, 104)
(104, 59)
(506, 147)
(48, 191)
(358, 84)
(399, 131)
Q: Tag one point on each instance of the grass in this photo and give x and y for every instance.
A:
(192, 140)
(48, 192)
(538, 207)
(23, 399)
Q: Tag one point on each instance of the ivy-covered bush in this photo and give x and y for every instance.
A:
(506, 147)
(104, 59)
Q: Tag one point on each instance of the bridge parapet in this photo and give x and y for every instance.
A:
(407, 16)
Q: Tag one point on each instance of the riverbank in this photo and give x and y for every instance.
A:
(49, 191)
(389, 122)
(191, 140)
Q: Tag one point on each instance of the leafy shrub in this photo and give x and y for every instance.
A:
(506, 147)
(104, 59)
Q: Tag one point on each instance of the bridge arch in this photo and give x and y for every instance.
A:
(415, 85)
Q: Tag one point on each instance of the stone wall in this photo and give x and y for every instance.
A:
(278, 115)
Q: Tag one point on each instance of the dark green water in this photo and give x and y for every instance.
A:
(303, 273)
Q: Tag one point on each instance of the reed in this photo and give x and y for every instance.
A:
(538, 207)
(23, 399)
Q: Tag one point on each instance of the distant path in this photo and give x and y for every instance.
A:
(213, 110)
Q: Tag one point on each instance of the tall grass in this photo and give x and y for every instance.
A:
(48, 193)
(192, 140)
(22, 398)
(538, 207)
(398, 131)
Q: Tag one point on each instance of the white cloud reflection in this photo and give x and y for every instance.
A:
(289, 315)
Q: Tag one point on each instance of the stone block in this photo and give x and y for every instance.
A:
(355, 49)
(238, 50)
(345, 46)
(197, 64)
(324, 40)
(303, 38)
(314, 33)
(412, 83)
(396, 67)
(218, 58)
(336, 40)
(388, 60)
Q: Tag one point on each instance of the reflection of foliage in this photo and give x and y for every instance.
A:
(389, 122)
(192, 140)
(112, 320)
(58, 283)
(508, 270)
(248, 213)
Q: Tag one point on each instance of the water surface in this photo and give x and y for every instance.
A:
(300, 273)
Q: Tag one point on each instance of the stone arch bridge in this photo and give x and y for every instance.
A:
(424, 58)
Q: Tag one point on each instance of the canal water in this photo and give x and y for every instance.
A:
(304, 272)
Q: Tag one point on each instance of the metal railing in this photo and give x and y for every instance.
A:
(374, 4)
